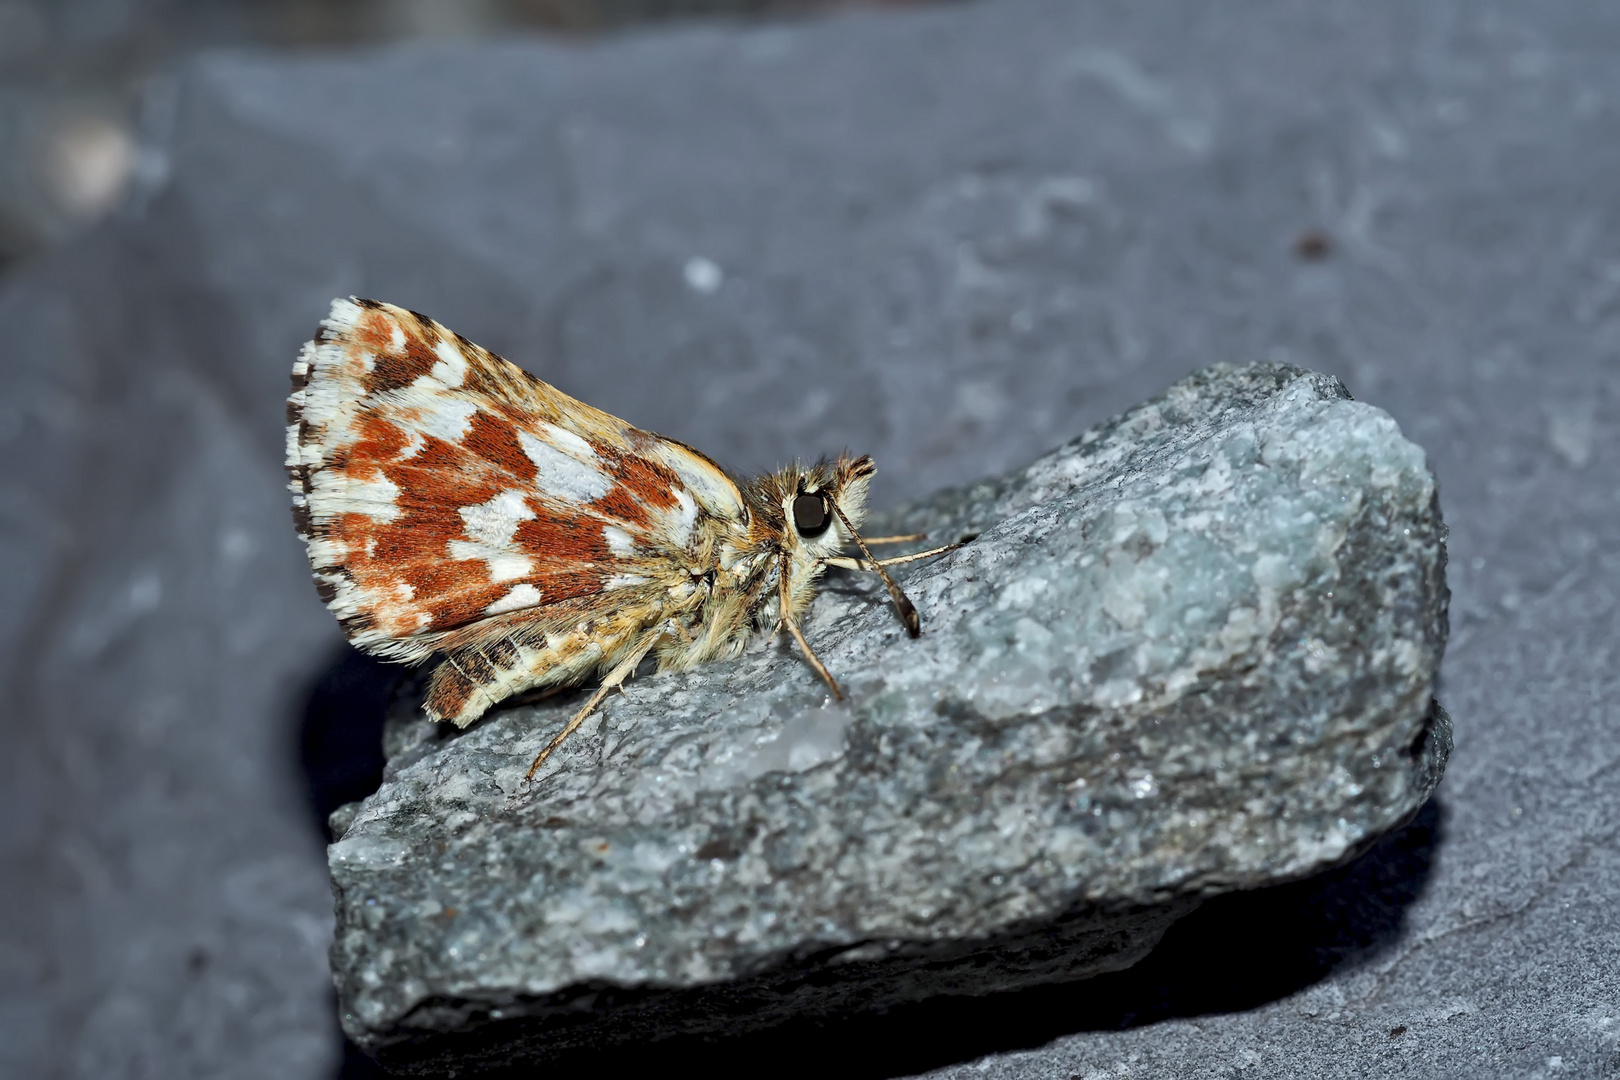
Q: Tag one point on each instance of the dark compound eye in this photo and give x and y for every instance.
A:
(810, 515)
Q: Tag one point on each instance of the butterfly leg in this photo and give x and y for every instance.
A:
(792, 624)
(614, 680)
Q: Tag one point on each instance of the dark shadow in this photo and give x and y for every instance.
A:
(356, 1066)
(1244, 950)
(1237, 952)
(340, 736)
(340, 750)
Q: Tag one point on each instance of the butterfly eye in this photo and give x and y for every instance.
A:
(810, 515)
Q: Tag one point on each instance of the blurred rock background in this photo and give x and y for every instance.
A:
(73, 72)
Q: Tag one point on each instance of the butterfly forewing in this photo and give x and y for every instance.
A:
(449, 500)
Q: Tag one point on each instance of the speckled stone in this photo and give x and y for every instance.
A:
(1191, 651)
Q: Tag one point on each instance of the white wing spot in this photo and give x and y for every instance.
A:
(618, 541)
(522, 596)
(509, 567)
(569, 442)
(708, 485)
(685, 519)
(337, 492)
(495, 522)
(492, 525)
(343, 316)
(447, 418)
(561, 476)
(451, 370)
(501, 564)
(412, 448)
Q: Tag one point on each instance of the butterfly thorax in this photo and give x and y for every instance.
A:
(745, 559)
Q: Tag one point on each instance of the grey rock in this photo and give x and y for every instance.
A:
(1190, 652)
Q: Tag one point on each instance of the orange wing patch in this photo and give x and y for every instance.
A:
(436, 484)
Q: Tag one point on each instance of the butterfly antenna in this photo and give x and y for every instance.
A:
(902, 603)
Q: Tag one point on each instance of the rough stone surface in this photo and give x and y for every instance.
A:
(952, 238)
(1190, 652)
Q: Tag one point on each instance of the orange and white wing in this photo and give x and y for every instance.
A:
(439, 487)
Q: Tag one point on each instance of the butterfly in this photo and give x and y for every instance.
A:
(454, 504)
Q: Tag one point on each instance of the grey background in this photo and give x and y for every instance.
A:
(949, 237)
(72, 74)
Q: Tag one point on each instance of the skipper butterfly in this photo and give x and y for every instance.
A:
(454, 504)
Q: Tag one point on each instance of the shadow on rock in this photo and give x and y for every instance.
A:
(340, 750)
(340, 736)
(1237, 952)
(1243, 950)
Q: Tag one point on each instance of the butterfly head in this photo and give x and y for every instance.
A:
(821, 508)
(803, 515)
(822, 505)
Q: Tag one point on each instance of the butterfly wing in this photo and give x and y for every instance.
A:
(450, 500)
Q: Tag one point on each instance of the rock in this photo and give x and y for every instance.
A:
(1188, 653)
